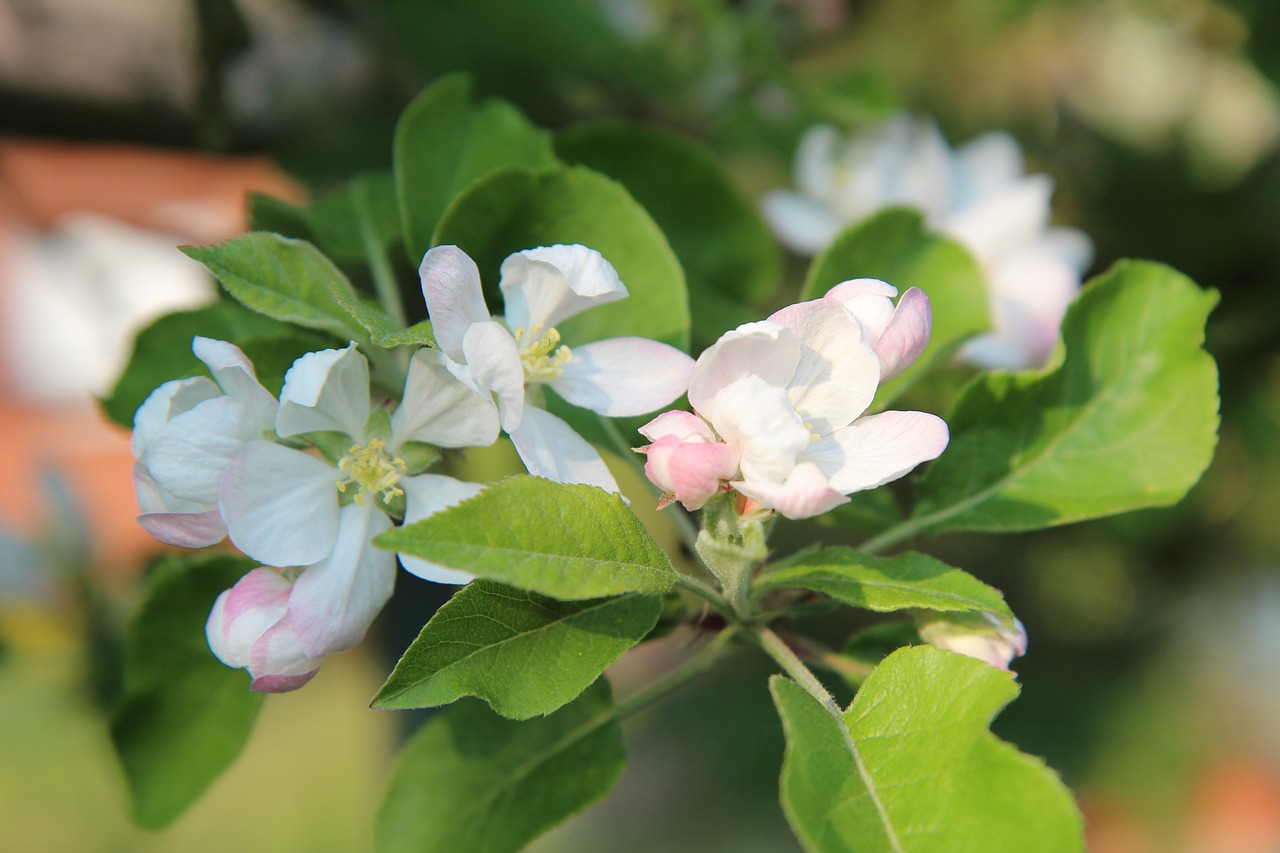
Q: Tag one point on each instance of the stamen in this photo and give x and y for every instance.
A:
(372, 470)
(543, 359)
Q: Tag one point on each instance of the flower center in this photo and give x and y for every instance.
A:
(372, 469)
(543, 359)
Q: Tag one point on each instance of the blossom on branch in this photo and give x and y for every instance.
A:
(978, 195)
(512, 357)
(983, 636)
(781, 408)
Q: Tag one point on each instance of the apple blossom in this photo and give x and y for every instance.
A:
(513, 357)
(786, 398)
(983, 636)
(285, 507)
(250, 627)
(977, 195)
(184, 435)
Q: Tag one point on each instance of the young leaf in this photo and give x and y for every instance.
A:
(524, 654)
(1127, 420)
(911, 766)
(884, 584)
(895, 247)
(469, 780)
(570, 542)
(184, 716)
(444, 143)
(162, 351)
(518, 209)
(714, 230)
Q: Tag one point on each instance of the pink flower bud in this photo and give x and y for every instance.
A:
(250, 628)
(687, 460)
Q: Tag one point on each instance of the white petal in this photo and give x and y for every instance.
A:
(870, 300)
(543, 286)
(187, 457)
(984, 165)
(326, 390)
(451, 287)
(802, 224)
(493, 361)
(242, 614)
(682, 425)
(1003, 221)
(425, 495)
(836, 377)
(234, 373)
(440, 409)
(168, 401)
(185, 529)
(550, 448)
(805, 493)
(335, 600)
(875, 450)
(817, 161)
(760, 419)
(621, 377)
(278, 663)
(280, 505)
(767, 350)
(1072, 245)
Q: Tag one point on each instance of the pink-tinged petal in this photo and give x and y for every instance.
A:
(622, 377)
(550, 448)
(692, 471)
(1002, 221)
(280, 504)
(335, 600)
(171, 399)
(543, 286)
(805, 493)
(326, 390)
(837, 374)
(455, 300)
(766, 350)
(1030, 292)
(682, 425)
(187, 457)
(870, 300)
(802, 224)
(242, 614)
(873, 451)
(234, 373)
(425, 495)
(278, 662)
(760, 419)
(907, 334)
(493, 360)
(439, 409)
(185, 529)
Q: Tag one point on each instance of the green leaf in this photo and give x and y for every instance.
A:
(1127, 420)
(911, 766)
(518, 209)
(445, 142)
(884, 584)
(715, 231)
(337, 219)
(894, 246)
(469, 780)
(184, 716)
(570, 542)
(289, 280)
(524, 654)
(162, 351)
(293, 281)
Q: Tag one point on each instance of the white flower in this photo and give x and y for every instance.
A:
(287, 508)
(788, 397)
(184, 435)
(977, 195)
(542, 287)
(983, 636)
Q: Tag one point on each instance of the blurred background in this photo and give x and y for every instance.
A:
(1152, 683)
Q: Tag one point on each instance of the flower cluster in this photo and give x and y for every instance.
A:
(978, 194)
(780, 406)
(304, 483)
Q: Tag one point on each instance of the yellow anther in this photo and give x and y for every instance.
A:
(543, 359)
(372, 470)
